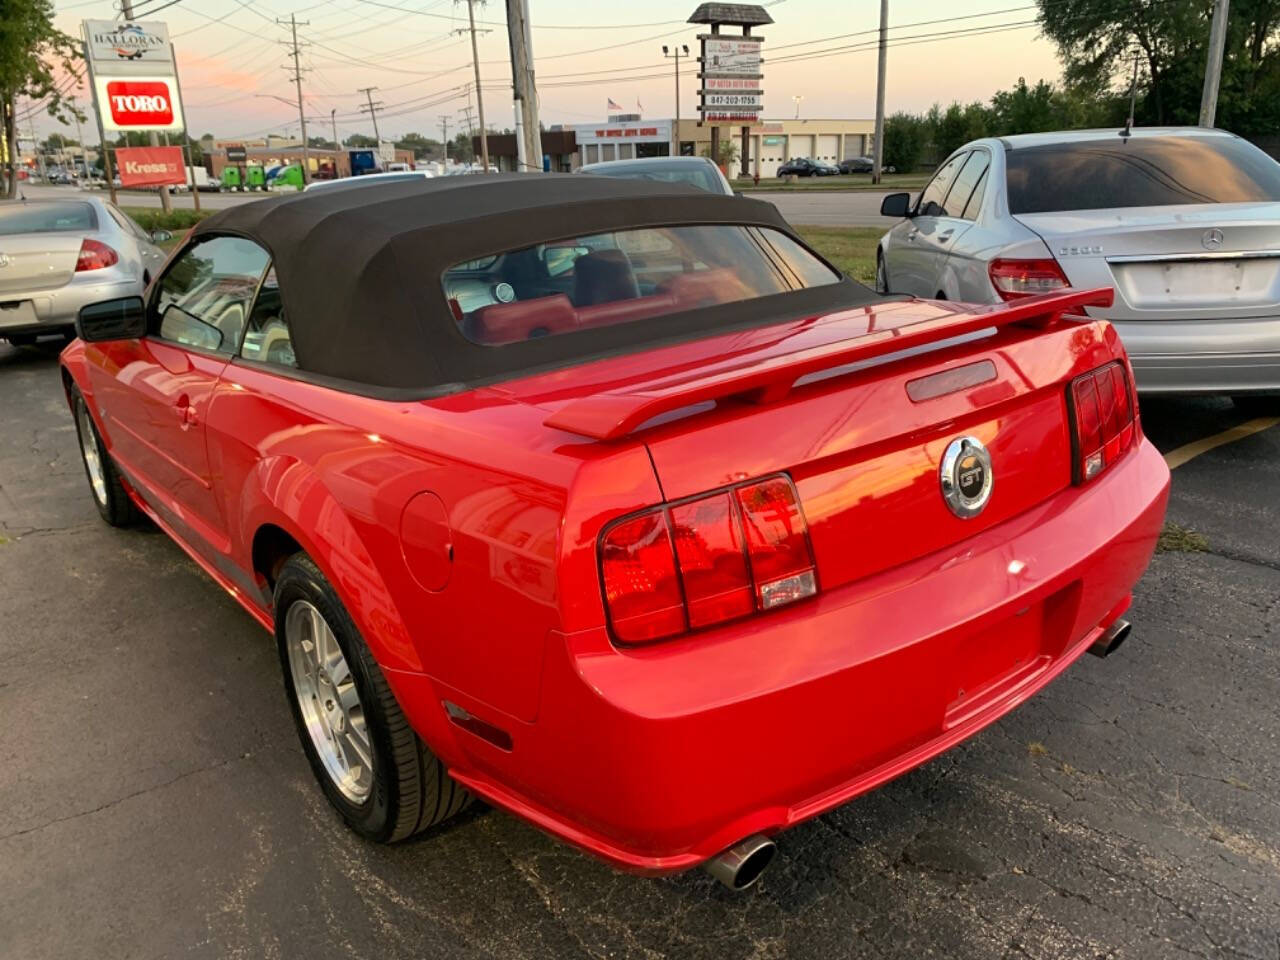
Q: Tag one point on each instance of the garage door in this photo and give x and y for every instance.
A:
(802, 145)
(828, 148)
(855, 145)
(769, 154)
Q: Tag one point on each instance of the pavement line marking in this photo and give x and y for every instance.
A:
(1189, 451)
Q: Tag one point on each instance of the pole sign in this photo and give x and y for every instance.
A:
(149, 166)
(124, 47)
(138, 103)
(135, 83)
(731, 71)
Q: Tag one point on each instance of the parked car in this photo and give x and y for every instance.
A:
(573, 515)
(863, 165)
(1183, 223)
(698, 172)
(804, 167)
(58, 255)
(369, 179)
(857, 165)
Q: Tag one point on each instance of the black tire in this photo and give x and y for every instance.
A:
(411, 789)
(1258, 404)
(113, 502)
(882, 274)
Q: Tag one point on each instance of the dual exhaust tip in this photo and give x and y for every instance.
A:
(739, 867)
(743, 864)
(1111, 639)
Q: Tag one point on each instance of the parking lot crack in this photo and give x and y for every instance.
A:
(119, 800)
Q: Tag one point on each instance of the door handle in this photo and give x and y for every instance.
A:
(185, 411)
(945, 235)
(912, 234)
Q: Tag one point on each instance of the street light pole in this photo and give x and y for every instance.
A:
(683, 47)
(1213, 66)
(878, 160)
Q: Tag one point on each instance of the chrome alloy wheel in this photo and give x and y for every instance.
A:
(329, 701)
(89, 450)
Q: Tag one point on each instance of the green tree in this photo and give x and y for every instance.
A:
(35, 60)
(460, 149)
(358, 141)
(420, 145)
(1097, 40)
(728, 153)
(904, 137)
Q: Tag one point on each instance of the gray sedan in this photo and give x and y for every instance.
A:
(58, 255)
(1184, 224)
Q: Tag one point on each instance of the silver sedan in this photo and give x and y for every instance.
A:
(58, 255)
(1184, 224)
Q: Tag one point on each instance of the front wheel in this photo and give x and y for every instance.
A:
(109, 494)
(882, 275)
(381, 778)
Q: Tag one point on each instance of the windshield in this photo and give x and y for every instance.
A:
(625, 277)
(1139, 172)
(700, 175)
(46, 218)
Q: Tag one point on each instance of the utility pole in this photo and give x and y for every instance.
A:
(126, 8)
(371, 110)
(84, 157)
(1133, 95)
(475, 62)
(878, 160)
(35, 144)
(297, 80)
(525, 91)
(444, 133)
(683, 47)
(1213, 66)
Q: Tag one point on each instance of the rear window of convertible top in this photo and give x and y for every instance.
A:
(623, 277)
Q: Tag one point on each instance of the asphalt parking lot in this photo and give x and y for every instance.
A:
(154, 801)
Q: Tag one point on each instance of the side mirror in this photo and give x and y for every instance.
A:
(122, 319)
(896, 205)
(161, 236)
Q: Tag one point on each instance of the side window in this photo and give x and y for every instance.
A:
(266, 339)
(126, 223)
(962, 187)
(930, 203)
(808, 269)
(975, 199)
(203, 298)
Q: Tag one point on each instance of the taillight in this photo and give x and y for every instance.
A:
(1102, 414)
(706, 561)
(1014, 279)
(95, 255)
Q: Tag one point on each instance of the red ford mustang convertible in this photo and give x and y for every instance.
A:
(615, 505)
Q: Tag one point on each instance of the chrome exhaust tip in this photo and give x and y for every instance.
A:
(1111, 639)
(744, 863)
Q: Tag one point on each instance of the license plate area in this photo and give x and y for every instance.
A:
(994, 663)
(1199, 283)
(17, 313)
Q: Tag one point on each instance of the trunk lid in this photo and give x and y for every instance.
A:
(37, 261)
(861, 431)
(1192, 262)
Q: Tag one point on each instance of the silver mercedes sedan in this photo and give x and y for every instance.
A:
(1184, 224)
(58, 255)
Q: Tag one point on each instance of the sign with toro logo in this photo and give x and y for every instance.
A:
(146, 166)
(139, 103)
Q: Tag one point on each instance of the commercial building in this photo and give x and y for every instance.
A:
(772, 142)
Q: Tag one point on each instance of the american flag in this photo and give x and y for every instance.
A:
(613, 106)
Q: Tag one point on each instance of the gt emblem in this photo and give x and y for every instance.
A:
(966, 477)
(1212, 239)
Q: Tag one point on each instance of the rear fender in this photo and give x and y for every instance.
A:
(288, 494)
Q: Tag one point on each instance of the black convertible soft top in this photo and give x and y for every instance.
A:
(360, 271)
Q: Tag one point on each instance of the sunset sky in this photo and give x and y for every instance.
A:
(230, 50)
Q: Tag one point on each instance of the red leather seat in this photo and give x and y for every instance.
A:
(509, 322)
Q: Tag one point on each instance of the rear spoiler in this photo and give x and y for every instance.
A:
(614, 414)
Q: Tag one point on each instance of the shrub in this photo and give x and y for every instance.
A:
(177, 221)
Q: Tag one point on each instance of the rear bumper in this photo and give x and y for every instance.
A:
(1204, 356)
(53, 311)
(657, 759)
